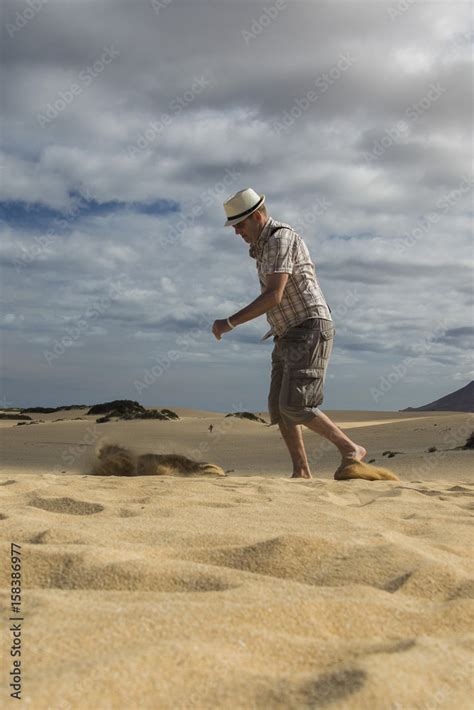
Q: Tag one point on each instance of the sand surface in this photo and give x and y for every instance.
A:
(250, 591)
(65, 442)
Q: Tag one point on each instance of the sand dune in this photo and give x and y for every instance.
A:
(249, 591)
(244, 447)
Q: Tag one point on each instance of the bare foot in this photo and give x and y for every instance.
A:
(355, 454)
(303, 474)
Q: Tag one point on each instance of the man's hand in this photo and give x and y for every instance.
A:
(219, 328)
(270, 298)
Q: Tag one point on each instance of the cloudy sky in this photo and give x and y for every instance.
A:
(126, 125)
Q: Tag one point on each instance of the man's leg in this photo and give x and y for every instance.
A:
(293, 437)
(291, 433)
(325, 427)
(301, 391)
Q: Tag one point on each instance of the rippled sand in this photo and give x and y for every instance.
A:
(250, 591)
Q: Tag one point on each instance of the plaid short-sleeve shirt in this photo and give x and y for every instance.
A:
(284, 251)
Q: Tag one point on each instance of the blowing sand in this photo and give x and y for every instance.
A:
(249, 591)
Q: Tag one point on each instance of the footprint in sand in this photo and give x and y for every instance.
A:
(127, 513)
(332, 687)
(465, 590)
(51, 569)
(39, 538)
(370, 496)
(462, 490)
(428, 491)
(319, 692)
(397, 583)
(67, 505)
(392, 646)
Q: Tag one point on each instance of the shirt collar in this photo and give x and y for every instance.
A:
(261, 239)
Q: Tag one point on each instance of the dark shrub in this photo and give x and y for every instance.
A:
(469, 442)
(14, 416)
(247, 415)
(118, 406)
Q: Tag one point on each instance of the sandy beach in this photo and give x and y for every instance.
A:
(249, 591)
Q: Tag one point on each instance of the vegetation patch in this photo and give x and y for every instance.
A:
(127, 409)
(469, 442)
(247, 415)
(51, 410)
(14, 416)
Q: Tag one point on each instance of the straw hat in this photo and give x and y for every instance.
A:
(241, 205)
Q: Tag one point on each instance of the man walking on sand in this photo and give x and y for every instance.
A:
(301, 326)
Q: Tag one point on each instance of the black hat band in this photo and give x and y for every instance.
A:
(242, 214)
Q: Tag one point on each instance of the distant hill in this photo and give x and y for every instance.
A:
(459, 401)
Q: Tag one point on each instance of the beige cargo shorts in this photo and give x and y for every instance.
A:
(299, 362)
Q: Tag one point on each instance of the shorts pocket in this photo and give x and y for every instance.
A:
(306, 387)
(296, 335)
(327, 334)
(324, 347)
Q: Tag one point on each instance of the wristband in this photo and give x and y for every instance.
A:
(230, 324)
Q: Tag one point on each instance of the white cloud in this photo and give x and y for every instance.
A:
(185, 268)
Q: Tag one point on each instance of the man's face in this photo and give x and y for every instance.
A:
(249, 228)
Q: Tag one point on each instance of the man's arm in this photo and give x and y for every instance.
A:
(270, 298)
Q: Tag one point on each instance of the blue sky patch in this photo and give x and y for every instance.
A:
(35, 216)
